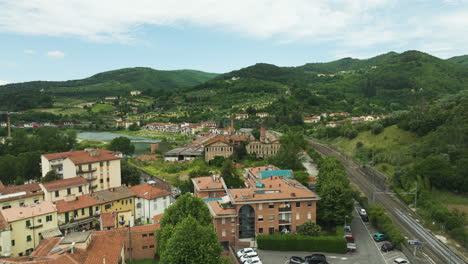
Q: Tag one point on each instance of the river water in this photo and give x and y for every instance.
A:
(141, 144)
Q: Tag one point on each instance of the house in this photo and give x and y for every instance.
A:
(21, 195)
(222, 146)
(209, 187)
(339, 114)
(242, 116)
(262, 115)
(25, 226)
(78, 213)
(119, 201)
(265, 146)
(150, 200)
(312, 119)
(183, 153)
(126, 124)
(65, 189)
(135, 92)
(163, 127)
(100, 167)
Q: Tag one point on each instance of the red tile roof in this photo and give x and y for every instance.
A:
(82, 156)
(217, 210)
(156, 218)
(216, 139)
(105, 245)
(207, 183)
(145, 228)
(108, 219)
(29, 189)
(148, 191)
(82, 201)
(65, 183)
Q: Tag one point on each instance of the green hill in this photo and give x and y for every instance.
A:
(462, 60)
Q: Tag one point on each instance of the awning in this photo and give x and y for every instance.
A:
(54, 232)
(79, 222)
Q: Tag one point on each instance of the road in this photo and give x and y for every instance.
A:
(433, 251)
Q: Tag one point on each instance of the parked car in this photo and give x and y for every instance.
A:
(248, 256)
(351, 247)
(254, 260)
(401, 261)
(362, 212)
(296, 260)
(386, 247)
(380, 237)
(347, 229)
(365, 218)
(316, 259)
(244, 251)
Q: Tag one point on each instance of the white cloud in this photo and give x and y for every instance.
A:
(29, 51)
(3, 82)
(55, 53)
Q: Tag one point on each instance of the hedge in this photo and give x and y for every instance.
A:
(293, 242)
(384, 224)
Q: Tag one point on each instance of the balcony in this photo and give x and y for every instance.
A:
(34, 227)
(285, 209)
(285, 221)
(85, 171)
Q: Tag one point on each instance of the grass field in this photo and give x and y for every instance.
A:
(100, 108)
(174, 137)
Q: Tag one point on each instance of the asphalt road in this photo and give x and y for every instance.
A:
(433, 251)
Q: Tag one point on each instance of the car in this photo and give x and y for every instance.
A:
(247, 256)
(365, 218)
(400, 261)
(296, 260)
(244, 251)
(386, 247)
(351, 247)
(380, 237)
(347, 229)
(316, 259)
(362, 212)
(254, 260)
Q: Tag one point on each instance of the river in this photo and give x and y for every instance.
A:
(141, 144)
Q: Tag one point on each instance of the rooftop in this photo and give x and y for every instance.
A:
(64, 183)
(282, 173)
(78, 237)
(82, 201)
(275, 188)
(217, 210)
(113, 194)
(108, 219)
(209, 183)
(255, 170)
(23, 212)
(9, 193)
(148, 191)
(84, 156)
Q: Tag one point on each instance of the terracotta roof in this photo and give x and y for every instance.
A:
(145, 228)
(216, 139)
(255, 170)
(108, 219)
(65, 183)
(9, 193)
(22, 212)
(208, 183)
(148, 191)
(275, 188)
(3, 223)
(83, 156)
(82, 201)
(217, 210)
(113, 194)
(156, 218)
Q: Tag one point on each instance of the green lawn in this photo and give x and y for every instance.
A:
(144, 261)
(99, 108)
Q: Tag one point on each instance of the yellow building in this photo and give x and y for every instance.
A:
(28, 225)
(120, 201)
(99, 166)
(15, 196)
(65, 189)
(78, 213)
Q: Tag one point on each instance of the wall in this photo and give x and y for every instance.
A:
(80, 214)
(5, 242)
(150, 208)
(228, 225)
(75, 190)
(218, 149)
(125, 207)
(26, 201)
(143, 244)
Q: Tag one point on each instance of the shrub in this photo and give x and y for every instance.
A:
(384, 224)
(293, 242)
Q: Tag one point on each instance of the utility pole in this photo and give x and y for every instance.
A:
(416, 196)
(9, 125)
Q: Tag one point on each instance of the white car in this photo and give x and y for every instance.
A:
(362, 212)
(401, 261)
(254, 260)
(244, 251)
(248, 256)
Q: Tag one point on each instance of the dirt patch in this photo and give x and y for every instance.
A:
(460, 207)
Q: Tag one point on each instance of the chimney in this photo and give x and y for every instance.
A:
(231, 129)
(262, 132)
(104, 260)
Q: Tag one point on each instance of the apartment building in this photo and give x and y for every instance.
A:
(100, 167)
(67, 189)
(209, 187)
(15, 196)
(78, 213)
(26, 226)
(119, 201)
(150, 200)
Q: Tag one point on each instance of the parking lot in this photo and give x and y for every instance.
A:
(368, 251)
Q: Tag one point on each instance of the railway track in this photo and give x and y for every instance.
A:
(433, 250)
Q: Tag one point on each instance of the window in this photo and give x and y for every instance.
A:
(75, 213)
(107, 179)
(260, 206)
(39, 220)
(97, 208)
(48, 218)
(271, 205)
(309, 203)
(223, 233)
(28, 238)
(138, 205)
(28, 223)
(101, 181)
(122, 202)
(271, 217)
(68, 191)
(21, 204)
(298, 216)
(151, 234)
(107, 206)
(12, 242)
(144, 235)
(309, 215)
(145, 247)
(57, 194)
(233, 219)
(107, 163)
(36, 201)
(6, 207)
(260, 218)
(82, 211)
(260, 230)
(101, 163)
(271, 230)
(101, 172)
(80, 189)
(298, 204)
(223, 220)
(233, 232)
(151, 246)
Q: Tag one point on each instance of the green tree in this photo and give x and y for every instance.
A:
(186, 205)
(50, 176)
(302, 177)
(130, 174)
(230, 175)
(134, 127)
(290, 156)
(309, 228)
(191, 242)
(122, 144)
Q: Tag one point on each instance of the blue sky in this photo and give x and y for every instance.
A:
(61, 40)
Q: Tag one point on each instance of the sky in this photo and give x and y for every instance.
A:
(73, 39)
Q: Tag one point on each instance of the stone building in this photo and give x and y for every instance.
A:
(265, 146)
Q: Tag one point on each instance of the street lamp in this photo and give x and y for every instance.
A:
(346, 217)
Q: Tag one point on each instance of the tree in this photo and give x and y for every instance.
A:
(302, 177)
(309, 228)
(186, 205)
(290, 156)
(191, 242)
(122, 144)
(134, 127)
(130, 174)
(50, 176)
(231, 175)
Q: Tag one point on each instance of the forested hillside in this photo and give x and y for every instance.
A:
(462, 60)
